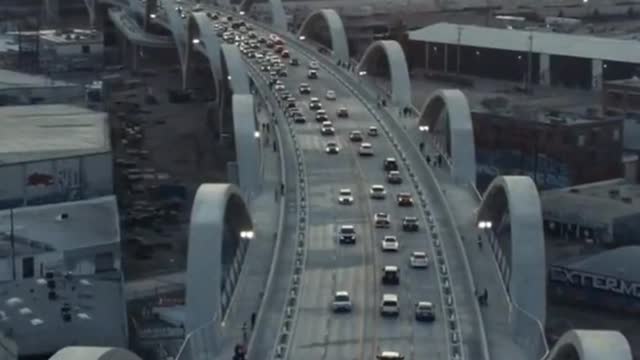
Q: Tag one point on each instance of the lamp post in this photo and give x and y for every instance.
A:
(485, 226)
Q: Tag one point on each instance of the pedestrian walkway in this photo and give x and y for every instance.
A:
(253, 278)
(154, 286)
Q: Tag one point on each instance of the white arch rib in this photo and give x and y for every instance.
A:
(204, 263)
(527, 283)
(592, 345)
(398, 69)
(460, 136)
(339, 43)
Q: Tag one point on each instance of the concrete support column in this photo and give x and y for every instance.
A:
(426, 56)
(446, 58)
(596, 74)
(544, 73)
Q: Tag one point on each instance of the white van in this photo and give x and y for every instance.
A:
(389, 305)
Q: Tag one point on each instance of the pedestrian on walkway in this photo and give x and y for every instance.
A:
(253, 320)
(384, 102)
(421, 146)
(244, 332)
(275, 147)
(485, 296)
(480, 242)
(439, 160)
(267, 126)
(428, 159)
(281, 189)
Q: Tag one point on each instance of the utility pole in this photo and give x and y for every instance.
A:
(458, 50)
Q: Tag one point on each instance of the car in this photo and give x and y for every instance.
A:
(390, 243)
(273, 80)
(321, 116)
(372, 131)
(341, 302)
(347, 234)
(377, 192)
(330, 95)
(285, 94)
(279, 49)
(424, 311)
(404, 199)
(269, 44)
(389, 355)
(332, 148)
(312, 74)
(419, 259)
(293, 112)
(314, 104)
(390, 275)
(262, 40)
(294, 61)
(273, 73)
(390, 164)
(279, 86)
(291, 102)
(393, 177)
(283, 72)
(345, 197)
(343, 112)
(285, 54)
(365, 150)
(299, 119)
(355, 136)
(313, 65)
(410, 224)
(265, 68)
(304, 89)
(327, 128)
(382, 220)
(389, 305)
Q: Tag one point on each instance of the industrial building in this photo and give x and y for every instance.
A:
(60, 276)
(608, 280)
(535, 55)
(555, 149)
(606, 213)
(53, 153)
(17, 88)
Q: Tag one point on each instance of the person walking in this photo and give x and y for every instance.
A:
(281, 188)
(428, 159)
(253, 320)
(421, 146)
(479, 242)
(245, 335)
(275, 147)
(485, 296)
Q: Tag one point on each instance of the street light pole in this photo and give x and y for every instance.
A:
(529, 62)
(458, 50)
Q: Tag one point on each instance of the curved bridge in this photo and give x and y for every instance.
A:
(500, 205)
(337, 34)
(219, 228)
(446, 119)
(135, 33)
(393, 55)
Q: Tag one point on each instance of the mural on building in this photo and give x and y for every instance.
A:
(548, 173)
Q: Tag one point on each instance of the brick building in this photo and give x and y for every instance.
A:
(555, 149)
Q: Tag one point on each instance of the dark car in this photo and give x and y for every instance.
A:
(390, 164)
(404, 199)
(355, 136)
(312, 74)
(321, 116)
(390, 275)
(285, 54)
(410, 224)
(294, 62)
(424, 311)
(304, 89)
(299, 119)
(347, 234)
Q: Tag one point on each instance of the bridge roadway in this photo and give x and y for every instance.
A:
(319, 334)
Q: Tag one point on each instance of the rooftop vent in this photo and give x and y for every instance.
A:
(62, 216)
(614, 193)
(626, 200)
(575, 191)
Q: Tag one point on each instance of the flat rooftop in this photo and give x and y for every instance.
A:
(620, 263)
(59, 227)
(72, 36)
(595, 203)
(634, 81)
(40, 132)
(14, 80)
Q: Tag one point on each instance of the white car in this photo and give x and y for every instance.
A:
(372, 131)
(365, 149)
(327, 128)
(390, 305)
(377, 192)
(331, 95)
(314, 65)
(332, 148)
(342, 302)
(419, 259)
(390, 355)
(390, 243)
(345, 197)
(279, 86)
(382, 220)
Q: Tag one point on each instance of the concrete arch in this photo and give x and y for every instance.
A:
(235, 68)
(199, 27)
(457, 131)
(591, 345)
(218, 215)
(278, 15)
(247, 146)
(177, 28)
(339, 43)
(515, 199)
(398, 69)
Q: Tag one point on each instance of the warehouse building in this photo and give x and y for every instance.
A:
(53, 153)
(538, 55)
(17, 88)
(608, 280)
(605, 213)
(60, 276)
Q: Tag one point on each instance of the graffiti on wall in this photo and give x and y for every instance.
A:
(60, 179)
(548, 173)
